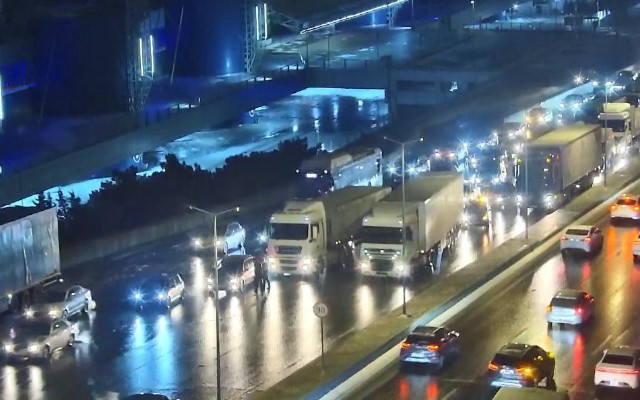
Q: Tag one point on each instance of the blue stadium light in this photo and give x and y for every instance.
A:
(1, 103)
(151, 49)
(352, 16)
(141, 59)
(266, 22)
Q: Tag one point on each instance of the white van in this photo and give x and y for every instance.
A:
(529, 394)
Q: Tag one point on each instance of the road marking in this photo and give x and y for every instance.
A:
(599, 348)
(450, 394)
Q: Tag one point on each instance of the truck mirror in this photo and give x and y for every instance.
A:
(314, 232)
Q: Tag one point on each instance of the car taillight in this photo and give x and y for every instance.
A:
(579, 311)
(549, 308)
(493, 366)
(636, 208)
(619, 371)
(563, 237)
(433, 347)
(587, 239)
(613, 207)
(525, 371)
(405, 345)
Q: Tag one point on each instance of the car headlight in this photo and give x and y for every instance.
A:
(54, 313)
(306, 262)
(595, 83)
(500, 199)
(233, 281)
(33, 348)
(28, 313)
(548, 198)
(271, 261)
(161, 296)
(8, 347)
(519, 198)
(137, 296)
(400, 268)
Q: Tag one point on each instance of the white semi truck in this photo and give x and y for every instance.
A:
(433, 211)
(307, 236)
(622, 121)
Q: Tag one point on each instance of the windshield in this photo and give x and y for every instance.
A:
(381, 235)
(506, 359)
(52, 297)
(563, 302)
(411, 339)
(38, 328)
(616, 125)
(626, 202)
(577, 232)
(618, 359)
(280, 231)
(152, 284)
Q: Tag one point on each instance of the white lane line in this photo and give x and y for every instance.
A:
(450, 395)
(598, 349)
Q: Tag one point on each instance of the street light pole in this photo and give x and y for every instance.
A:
(403, 221)
(607, 85)
(526, 190)
(216, 287)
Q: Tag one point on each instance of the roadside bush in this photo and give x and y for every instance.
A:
(130, 201)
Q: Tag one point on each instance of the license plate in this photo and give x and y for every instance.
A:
(508, 371)
(420, 354)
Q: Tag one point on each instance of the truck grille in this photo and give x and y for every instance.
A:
(288, 249)
(381, 265)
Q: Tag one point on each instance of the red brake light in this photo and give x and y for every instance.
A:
(493, 366)
(579, 311)
(405, 345)
(433, 347)
(619, 371)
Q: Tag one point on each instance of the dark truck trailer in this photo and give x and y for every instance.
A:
(561, 165)
(29, 254)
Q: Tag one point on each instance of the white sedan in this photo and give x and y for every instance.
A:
(58, 302)
(626, 207)
(38, 339)
(584, 238)
(619, 367)
(233, 240)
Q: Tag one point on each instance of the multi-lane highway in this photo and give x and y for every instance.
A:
(263, 339)
(516, 313)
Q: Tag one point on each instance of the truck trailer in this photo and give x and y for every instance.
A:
(309, 235)
(29, 254)
(560, 165)
(433, 210)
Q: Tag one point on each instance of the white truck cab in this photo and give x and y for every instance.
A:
(307, 236)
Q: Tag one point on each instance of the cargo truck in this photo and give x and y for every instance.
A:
(561, 164)
(433, 210)
(623, 122)
(309, 235)
(29, 254)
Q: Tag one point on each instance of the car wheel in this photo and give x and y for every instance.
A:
(46, 353)
(85, 308)
(72, 340)
(225, 248)
(65, 314)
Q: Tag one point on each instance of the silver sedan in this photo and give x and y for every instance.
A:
(38, 339)
(60, 303)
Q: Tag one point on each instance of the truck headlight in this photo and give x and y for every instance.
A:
(401, 268)
(548, 198)
(306, 263)
(271, 261)
(161, 296)
(28, 313)
(33, 348)
(364, 265)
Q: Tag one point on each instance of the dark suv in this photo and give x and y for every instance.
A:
(518, 364)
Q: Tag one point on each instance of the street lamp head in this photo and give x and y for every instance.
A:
(237, 209)
(422, 139)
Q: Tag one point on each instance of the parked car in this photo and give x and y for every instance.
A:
(235, 273)
(164, 290)
(60, 303)
(521, 365)
(572, 307)
(38, 338)
(587, 239)
(619, 368)
(429, 345)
